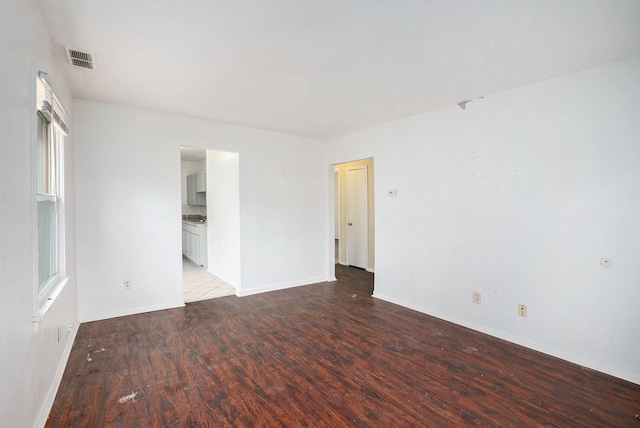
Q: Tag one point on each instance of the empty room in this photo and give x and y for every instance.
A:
(409, 213)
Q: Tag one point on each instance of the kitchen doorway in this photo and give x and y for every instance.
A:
(209, 205)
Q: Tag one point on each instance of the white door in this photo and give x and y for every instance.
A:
(336, 181)
(357, 224)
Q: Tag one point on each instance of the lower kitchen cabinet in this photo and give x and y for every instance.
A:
(194, 243)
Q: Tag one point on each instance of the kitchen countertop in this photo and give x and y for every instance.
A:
(195, 223)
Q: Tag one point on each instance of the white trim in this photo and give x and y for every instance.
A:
(47, 404)
(60, 205)
(133, 311)
(45, 198)
(283, 286)
(567, 356)
(34, 202)
(47, 298)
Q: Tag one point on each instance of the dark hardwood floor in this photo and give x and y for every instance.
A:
(322, 355)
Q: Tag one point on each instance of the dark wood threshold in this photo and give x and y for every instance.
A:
(322, 355)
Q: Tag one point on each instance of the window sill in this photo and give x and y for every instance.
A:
(46, 300)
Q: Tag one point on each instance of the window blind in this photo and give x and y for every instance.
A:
(48, 104)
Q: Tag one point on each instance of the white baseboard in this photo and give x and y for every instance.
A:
(132, 311)
(45, 409)
(567, 356)
(274, 287)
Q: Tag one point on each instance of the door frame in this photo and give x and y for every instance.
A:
(341, 167)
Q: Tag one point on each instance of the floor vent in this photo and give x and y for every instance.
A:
(80, 58)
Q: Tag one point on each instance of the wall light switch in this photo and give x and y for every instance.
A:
(392, 193)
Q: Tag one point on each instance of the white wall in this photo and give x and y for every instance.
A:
(128, 212)
(32, 361)
(518, 197)
(128, 206)
(223, 221)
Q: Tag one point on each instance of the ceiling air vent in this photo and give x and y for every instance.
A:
(80, 58)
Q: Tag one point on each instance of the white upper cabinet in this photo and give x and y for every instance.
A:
(201, 182)
(196, 186)
(191, 189)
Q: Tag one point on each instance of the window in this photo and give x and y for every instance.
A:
(49, 150)
(48, 201)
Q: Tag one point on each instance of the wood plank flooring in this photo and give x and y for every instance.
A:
(324, 355)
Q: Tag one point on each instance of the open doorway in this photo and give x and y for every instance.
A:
(198, 194)
(355, 214)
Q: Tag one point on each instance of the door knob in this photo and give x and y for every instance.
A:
(350, 224)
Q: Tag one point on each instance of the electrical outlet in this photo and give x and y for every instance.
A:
(522, 310)
(476, 297)
(127, 284)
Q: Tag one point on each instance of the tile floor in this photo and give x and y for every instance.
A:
(198, 284)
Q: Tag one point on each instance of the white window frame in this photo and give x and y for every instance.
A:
(50, 189)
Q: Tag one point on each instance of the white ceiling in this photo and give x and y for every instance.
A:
(323, 68)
